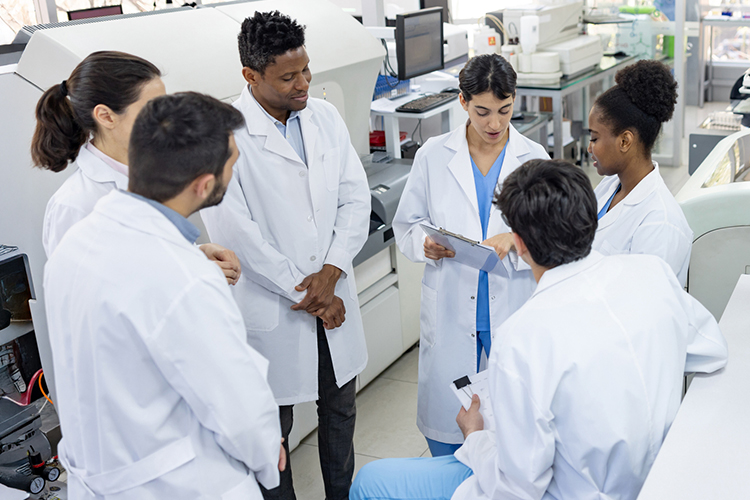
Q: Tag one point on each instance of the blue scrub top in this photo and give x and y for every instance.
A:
(485, 185)
(609, 202)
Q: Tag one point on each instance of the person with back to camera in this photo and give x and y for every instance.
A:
(451, 186)
(297, 212)
(160, 397)
(585, 379)
(637, 212)
(87, 120)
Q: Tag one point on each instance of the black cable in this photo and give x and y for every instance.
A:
(419, 126)
(388, 67)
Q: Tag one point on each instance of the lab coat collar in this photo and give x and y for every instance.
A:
(257, 122)
(459, 164)
(644, 188)
(558, 274)
(139, 215)
(97, 170)
(648, 185)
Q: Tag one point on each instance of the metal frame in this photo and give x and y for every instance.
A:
(557, 96)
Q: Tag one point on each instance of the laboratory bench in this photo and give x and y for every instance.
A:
(706, 453)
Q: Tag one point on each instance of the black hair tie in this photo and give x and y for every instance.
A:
(64, 88)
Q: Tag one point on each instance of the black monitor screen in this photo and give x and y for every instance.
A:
(426, 4)
(109, 10)
(419, 42)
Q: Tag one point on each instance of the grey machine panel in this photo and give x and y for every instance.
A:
(387, 181)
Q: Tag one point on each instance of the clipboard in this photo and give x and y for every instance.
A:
(468, 252)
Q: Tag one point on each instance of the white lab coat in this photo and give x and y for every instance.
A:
(585, 381)
(159, 394)
(76, 198)
(285, 220)
(441, 190)
(648, 221)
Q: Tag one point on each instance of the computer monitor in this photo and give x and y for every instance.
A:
(108, 10)
(419, 42)
(445, 4)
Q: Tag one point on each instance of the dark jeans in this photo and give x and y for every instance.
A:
(336, 415)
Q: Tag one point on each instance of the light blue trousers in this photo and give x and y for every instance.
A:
(409, 479)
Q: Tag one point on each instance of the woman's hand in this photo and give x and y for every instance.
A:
(502, 243)
(436, 252)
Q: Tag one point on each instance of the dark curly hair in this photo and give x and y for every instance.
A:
(487, 72)
(550, 204)
(643, 99)
(266, 35)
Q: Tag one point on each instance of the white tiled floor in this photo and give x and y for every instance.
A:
(386, 427)
(387, 408)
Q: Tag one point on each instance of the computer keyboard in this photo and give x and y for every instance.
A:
(425, 103)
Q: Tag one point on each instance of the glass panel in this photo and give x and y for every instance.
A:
(128, 6)
(723, 172)
(14, 15)
(731, 44)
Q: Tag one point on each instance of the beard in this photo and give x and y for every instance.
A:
(216, 196)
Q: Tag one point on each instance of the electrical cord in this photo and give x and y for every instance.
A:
(41, 389)
(419, 126)
(497, 22)
(388, 67)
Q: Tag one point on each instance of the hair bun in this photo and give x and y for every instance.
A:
(651, 87)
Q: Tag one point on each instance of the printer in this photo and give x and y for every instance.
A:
(387, 180)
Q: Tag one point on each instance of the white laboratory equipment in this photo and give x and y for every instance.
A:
(551, 28)
(196, 49)
(716, 203)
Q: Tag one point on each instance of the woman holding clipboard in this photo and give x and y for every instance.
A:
(451, 185)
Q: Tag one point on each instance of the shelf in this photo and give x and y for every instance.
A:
(15, 330)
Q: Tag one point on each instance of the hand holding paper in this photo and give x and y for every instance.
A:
(436, 252)
(467, 252)
(466, 387)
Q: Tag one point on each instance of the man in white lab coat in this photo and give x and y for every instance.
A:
(159, 394)
(585, 379)
(297, 213)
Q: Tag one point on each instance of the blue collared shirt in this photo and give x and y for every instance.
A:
(292, 131)
(186, 228)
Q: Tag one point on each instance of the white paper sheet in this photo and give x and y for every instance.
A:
(480, 386)
(470, 254)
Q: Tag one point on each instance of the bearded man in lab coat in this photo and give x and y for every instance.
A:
(297, 213)
(585, 379)
(159, 394)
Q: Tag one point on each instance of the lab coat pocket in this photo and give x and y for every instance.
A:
(428, 315)
(260, 307)
(332, 166)
(248, 489)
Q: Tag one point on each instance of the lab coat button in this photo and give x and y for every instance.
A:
(493, 297)
(472, 335)
(313, 258)
(302, 173)
(310, 217)
(472, 297)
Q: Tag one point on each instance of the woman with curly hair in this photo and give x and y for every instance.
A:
(637, 212)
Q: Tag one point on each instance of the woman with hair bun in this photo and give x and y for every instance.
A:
(87, 120)
(451, 185)
(637, 212)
